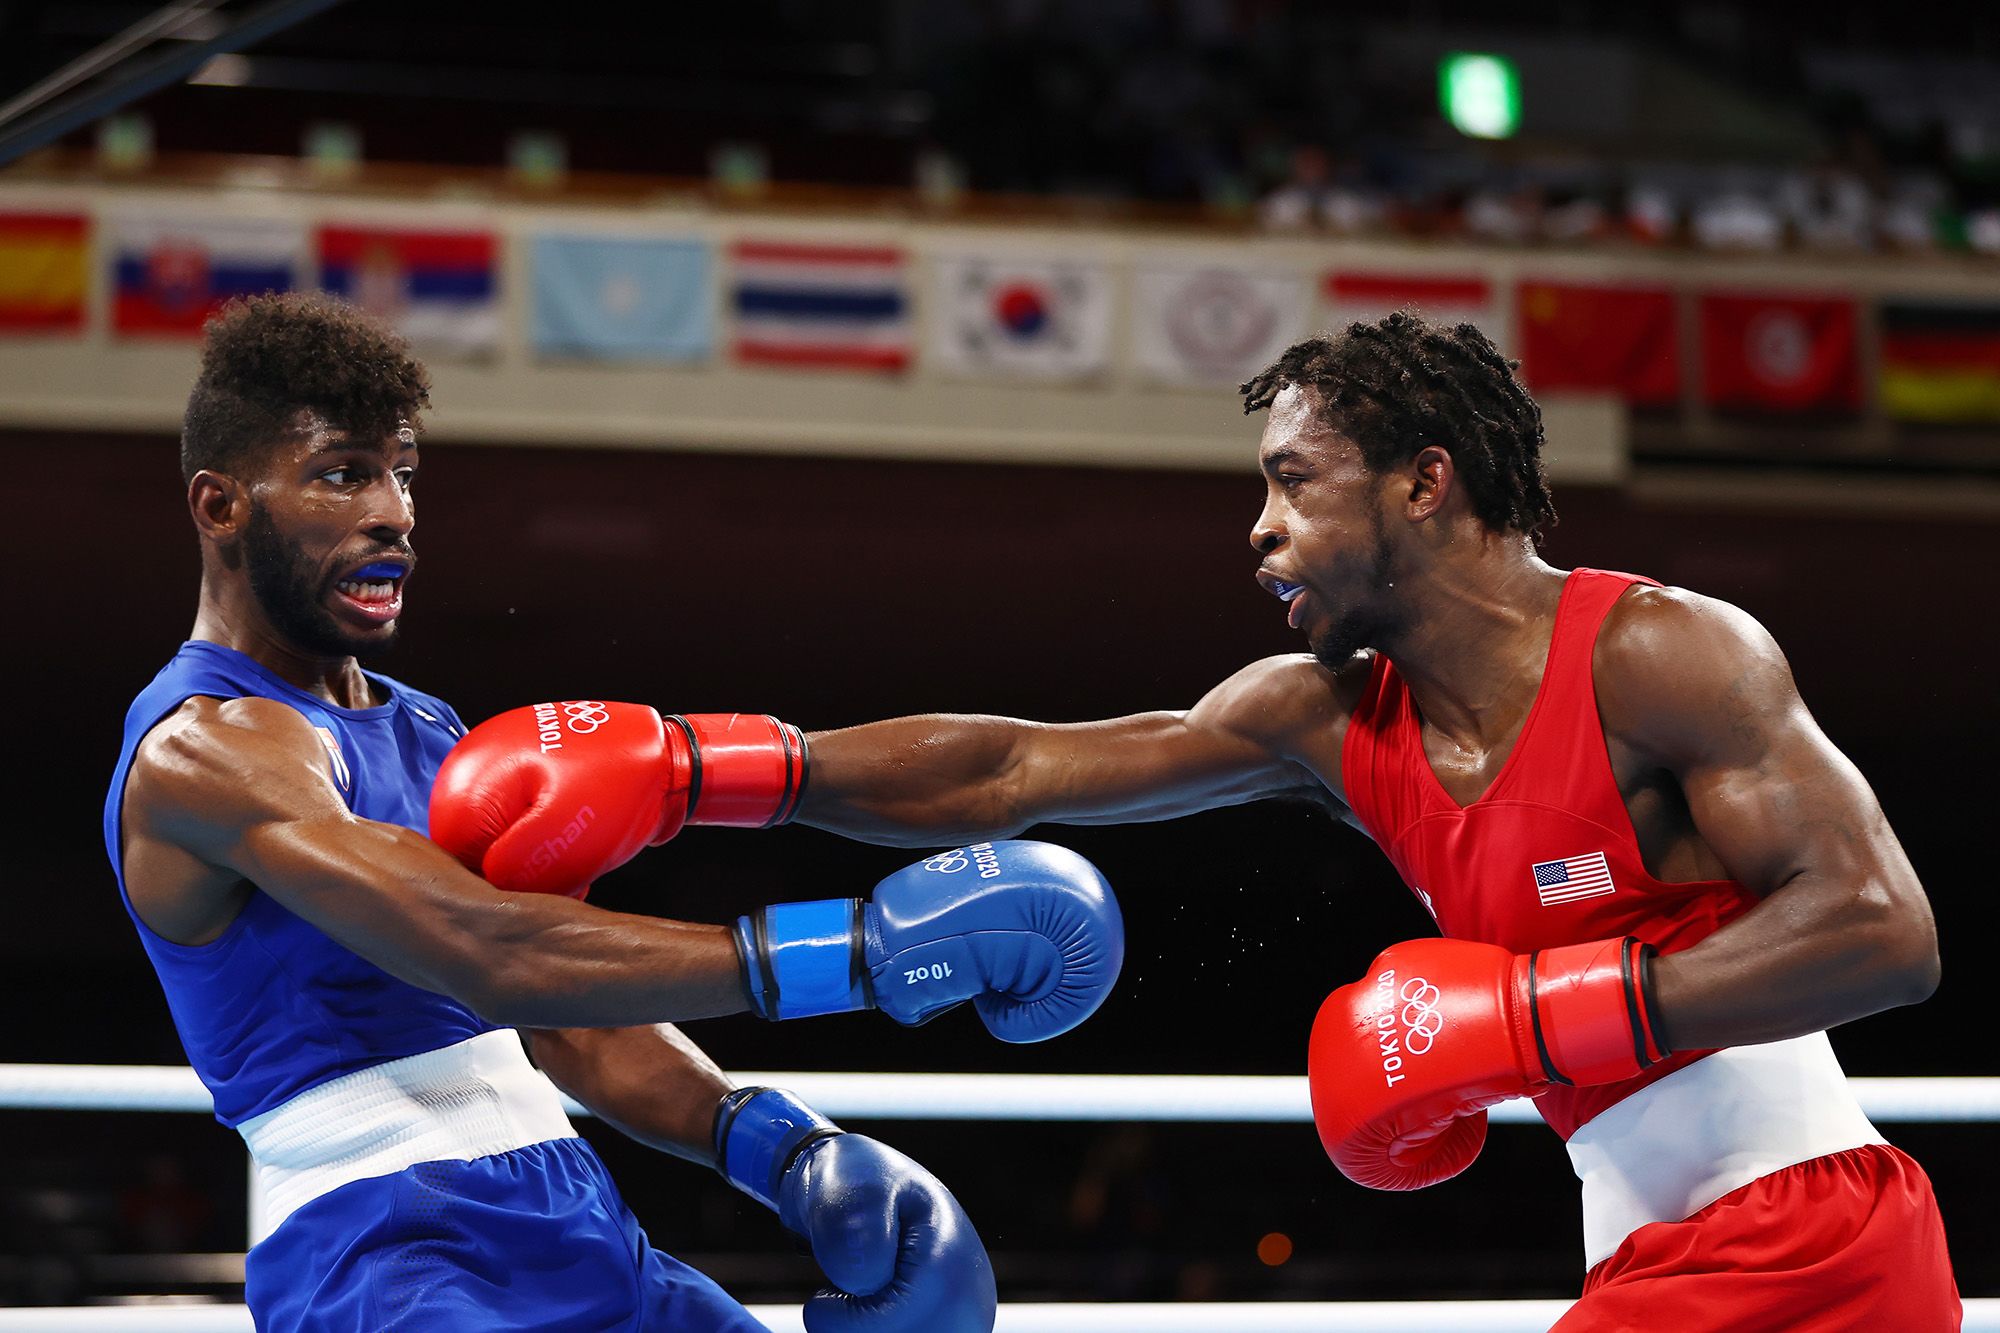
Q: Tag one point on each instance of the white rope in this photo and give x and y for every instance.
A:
(1238, 1098)
(1981, 1316)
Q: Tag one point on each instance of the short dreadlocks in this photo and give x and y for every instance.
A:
(1400, 384)
(269, 358)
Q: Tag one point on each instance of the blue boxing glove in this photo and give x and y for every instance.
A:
(901, 1254)
(1027, 931)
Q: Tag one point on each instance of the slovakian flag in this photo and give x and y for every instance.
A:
(833, 306)
(44, 260)
(1940, 361)
(623, 298)
(1445, 299)
(438, 288)
(1600, 339)
(1201, 325)
(1779, 353)
(1020, 317)
(171, 274)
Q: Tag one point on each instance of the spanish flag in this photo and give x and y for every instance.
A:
(1940, 361)
(43, 262)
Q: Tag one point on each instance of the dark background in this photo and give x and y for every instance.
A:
(832, 592)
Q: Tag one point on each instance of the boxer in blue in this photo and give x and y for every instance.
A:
(350, 992)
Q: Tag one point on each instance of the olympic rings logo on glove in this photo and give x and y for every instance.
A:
(586, 715)
(948, 863)
(1420, 1014)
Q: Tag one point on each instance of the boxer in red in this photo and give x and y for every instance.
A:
(1657, 881)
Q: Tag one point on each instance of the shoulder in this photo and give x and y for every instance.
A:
(1277, 700)
(211, 755)
(1674, 670)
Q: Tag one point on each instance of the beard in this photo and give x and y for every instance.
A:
(290, 591)
(1366, 619)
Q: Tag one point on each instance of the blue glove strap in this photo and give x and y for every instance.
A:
(804, 959)
(759, 1132)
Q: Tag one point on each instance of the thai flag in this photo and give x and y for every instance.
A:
(437, 287)
(171, 274)
(838, 306)
(1572, 878)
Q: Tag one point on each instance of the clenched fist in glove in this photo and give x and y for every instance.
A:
(1404, 1063)
(899, 1252)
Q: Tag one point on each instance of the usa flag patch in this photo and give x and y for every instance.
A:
(1572, 878)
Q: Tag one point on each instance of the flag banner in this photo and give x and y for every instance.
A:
(1018, 317)
(1779, 353)
(1621, 340)
(1440, 298)
(622, 298)
(171, 274)
(44, 261)
(1204, 326)
(842, 307)
(1940, 361)
(439, 289)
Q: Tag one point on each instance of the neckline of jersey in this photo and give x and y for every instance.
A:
(380, 710)
(1452, 803)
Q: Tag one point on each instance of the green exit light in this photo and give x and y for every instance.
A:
(1481, 95)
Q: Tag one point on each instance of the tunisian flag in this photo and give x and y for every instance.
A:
(1779, 353)
(1618, 340)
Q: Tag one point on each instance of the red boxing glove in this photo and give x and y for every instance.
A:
(1404, 1064)
(545, 799)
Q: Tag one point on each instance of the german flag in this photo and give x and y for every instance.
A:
(43, 262)
(1940, 361)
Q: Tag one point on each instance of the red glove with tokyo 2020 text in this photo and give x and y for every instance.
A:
(1404, 1062)
(547, 798)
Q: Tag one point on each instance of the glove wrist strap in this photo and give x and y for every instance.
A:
(1593, 1011)
(801, 960)
(749, 770)
(759, 1133)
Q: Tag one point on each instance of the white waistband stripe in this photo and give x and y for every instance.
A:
(473, 1099)
(1675, 1146)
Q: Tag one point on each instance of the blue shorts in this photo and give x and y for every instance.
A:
(537, 1238)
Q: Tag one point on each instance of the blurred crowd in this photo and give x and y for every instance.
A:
(1291, 112)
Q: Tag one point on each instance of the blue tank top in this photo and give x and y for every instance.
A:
(272, 1006)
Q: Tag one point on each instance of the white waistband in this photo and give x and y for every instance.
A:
(1675, 1146)
(472, 1099)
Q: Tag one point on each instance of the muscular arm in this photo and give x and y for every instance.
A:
(241, 787)
(1844, 930)
(953, 777)
(650, 1083)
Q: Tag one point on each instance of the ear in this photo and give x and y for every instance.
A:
(219, 505)
(1431, 484)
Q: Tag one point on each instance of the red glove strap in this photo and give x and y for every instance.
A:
(749, 769)
(1593, 1017)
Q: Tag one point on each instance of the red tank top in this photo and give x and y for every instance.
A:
(1547, 856)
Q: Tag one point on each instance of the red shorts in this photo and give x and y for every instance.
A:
(1850, 1241)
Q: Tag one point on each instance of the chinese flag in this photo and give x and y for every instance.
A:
(1779, 353)
(1618, 340)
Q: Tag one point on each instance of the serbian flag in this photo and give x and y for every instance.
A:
(43, 260)
(172, 274)
(1779, 353)
(843, 307)
(1444, 299)
(437, 287)
(1940, 361)
(1620, 340)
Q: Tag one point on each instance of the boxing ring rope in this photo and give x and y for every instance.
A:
(1071, 1097)
(1230, 1098)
